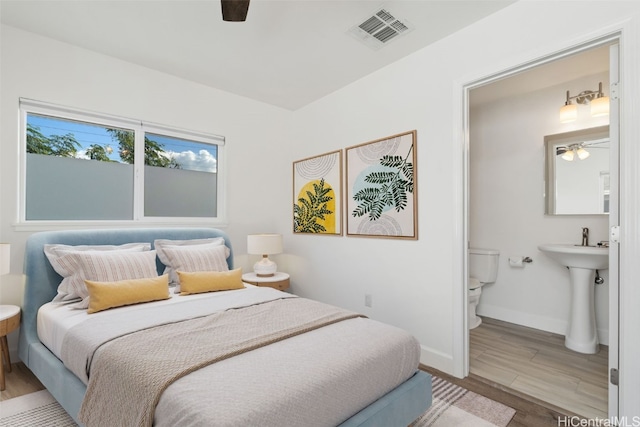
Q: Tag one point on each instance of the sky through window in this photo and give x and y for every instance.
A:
(186, 154)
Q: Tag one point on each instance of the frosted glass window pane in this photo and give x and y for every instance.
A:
(62, 188)
(179, 193)
(181, 181)
(74, 173)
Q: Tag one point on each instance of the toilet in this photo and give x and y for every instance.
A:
(483, 269)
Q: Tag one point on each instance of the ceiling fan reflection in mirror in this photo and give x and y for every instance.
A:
(234, 10)
(580, 149)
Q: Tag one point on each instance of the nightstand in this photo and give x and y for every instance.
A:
(278, 281)
(9, 321)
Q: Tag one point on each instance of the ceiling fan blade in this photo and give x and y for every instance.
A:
(234, 10)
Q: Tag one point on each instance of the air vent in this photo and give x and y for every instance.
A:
(379, 29)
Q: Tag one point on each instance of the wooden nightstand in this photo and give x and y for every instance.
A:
(278, 281)
(9, 321)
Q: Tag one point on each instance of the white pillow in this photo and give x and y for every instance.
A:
(104, 266)
(66, 266)
(54, 252)
(209, 257)
(161, 244)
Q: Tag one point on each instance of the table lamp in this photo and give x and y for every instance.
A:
(5, 258)
(265, 245)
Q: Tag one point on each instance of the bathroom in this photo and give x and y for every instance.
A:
(509, 120)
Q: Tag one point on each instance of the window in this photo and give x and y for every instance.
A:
(82, 166)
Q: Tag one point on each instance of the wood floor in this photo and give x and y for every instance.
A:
(537, 364)
(529, 411)
(19, 381)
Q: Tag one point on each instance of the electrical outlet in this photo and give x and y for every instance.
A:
(368, 300)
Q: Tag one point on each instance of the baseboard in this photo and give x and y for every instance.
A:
(547, 324)
(436, 359)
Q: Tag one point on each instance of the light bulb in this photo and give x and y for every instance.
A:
(582, 153)
(568, 156)
(568, 113)
(600, 107)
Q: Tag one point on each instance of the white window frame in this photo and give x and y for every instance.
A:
(29, 106)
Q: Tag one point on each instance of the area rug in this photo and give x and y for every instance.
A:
(452, 406)
(456, 406)
(34, 409)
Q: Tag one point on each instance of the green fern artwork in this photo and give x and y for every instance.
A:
(384, 186)
(315, 210)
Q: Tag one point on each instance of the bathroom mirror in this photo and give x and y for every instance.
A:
(577, 172)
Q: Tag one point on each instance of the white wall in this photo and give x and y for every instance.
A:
(419, 285)
(416, 285)
(507, 207)
(49, 71)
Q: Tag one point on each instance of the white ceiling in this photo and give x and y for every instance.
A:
(288, 53)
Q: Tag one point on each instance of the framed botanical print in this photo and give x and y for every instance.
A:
(317, 194)
(381, 184)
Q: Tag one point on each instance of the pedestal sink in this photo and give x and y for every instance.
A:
(582, 261)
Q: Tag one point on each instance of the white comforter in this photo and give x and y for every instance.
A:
(319, 378)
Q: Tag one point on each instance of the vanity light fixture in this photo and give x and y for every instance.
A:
(599, 104)
(569, 111)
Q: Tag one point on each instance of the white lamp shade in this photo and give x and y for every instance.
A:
(568, 155)
(582, 153)
(264, 244)
(568, 113)
(5, 258)
(600, 106)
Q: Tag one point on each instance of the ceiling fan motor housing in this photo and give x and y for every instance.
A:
(234, 10)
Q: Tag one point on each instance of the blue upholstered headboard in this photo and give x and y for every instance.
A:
(42, 281)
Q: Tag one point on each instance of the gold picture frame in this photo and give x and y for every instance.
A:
(381, 195)
(317, 194)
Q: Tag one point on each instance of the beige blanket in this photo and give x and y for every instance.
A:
(130, 373)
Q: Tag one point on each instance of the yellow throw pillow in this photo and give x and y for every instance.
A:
(105, 295)
(208, 281)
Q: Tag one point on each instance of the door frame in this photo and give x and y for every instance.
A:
(460, 315)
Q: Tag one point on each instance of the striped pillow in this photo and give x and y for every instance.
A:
(161, 244)
(66, 264)
(108, 266)
(209, 257)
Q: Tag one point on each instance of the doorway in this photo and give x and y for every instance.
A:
(505, 207)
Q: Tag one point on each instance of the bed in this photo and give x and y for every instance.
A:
(302, 377)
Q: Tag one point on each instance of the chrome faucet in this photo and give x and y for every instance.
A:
(585, 236)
